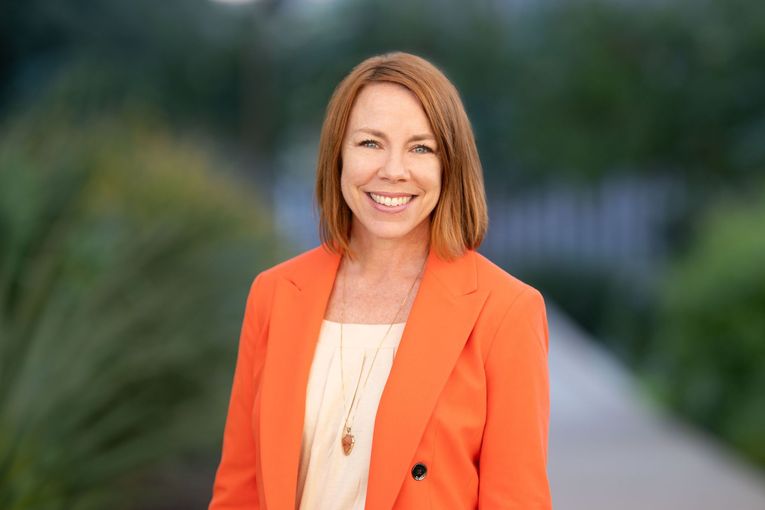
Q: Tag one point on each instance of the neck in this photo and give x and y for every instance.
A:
(378, 260)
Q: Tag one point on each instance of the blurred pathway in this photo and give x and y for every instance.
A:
(610, 450)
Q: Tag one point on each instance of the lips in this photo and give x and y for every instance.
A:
(390, 201)
(387, 204)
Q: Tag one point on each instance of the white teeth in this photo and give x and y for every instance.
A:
(390, 202)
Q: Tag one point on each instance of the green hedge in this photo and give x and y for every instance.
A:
(125, 258)
(708, 354)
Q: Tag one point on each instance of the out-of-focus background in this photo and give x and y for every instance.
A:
(156, 155)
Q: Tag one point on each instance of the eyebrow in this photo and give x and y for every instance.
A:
(380, 134)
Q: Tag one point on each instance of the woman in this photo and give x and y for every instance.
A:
(393, 366)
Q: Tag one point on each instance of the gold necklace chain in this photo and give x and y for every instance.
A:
(348, 439)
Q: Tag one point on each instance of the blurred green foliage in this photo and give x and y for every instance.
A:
(181, 57)
(694, 331)
(125, 261)
(667, 87)
(706, 357)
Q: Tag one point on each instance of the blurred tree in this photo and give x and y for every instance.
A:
(675, 87)
(182, 56)
(706, 358)
(572, 89)
(564, 89)
(124, 265)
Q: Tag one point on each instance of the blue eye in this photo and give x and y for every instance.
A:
(365, 143)
(425, 147)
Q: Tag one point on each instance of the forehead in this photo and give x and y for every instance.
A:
(383, 105)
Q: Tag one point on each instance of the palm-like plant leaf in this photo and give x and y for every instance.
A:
(124, 263)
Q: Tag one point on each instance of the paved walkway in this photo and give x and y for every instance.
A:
(610, 450)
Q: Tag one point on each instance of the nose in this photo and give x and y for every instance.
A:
(394, 168)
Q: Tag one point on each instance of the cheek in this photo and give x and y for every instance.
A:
(437, 180)
(345, 187)
(432, 179)
(350, 180)
(360, 165)
(348, 172)
(434, 186)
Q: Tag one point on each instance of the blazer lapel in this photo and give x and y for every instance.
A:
(298, 308)
(443, 314)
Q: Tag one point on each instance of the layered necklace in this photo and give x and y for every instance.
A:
(348, 439)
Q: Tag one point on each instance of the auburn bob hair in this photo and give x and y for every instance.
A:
(460, 218)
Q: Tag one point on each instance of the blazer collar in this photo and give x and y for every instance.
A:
(445, 308)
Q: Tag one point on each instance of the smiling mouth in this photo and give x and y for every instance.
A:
(391, 202)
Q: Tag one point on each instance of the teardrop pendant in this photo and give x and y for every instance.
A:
(348, 442)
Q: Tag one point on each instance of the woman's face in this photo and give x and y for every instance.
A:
(391, 172)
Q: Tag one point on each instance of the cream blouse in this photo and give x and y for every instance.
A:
(327, 478)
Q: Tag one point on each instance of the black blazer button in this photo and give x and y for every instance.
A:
(419, 471)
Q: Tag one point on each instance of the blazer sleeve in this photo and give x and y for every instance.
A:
(513, 459)
(235, 484)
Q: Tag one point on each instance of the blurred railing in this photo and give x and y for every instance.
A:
(619, 224)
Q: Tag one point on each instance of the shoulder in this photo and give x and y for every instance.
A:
(505, 289)
(304, 263)
(515, 311)
(303, 269)
(301, 262)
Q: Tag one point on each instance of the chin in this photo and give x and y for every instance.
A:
(392, 231)
(387, 234)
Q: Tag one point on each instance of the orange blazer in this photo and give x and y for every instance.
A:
(462, 422)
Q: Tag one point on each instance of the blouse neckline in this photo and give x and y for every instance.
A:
(363, 323)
